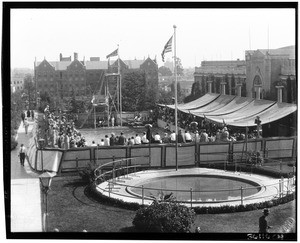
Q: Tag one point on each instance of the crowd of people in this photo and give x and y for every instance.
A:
(59, 131)
(202, 127)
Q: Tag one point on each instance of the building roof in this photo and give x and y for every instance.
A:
(92, 65)
(287, 51)
(133, 64)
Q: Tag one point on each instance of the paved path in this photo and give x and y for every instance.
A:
(26, 215)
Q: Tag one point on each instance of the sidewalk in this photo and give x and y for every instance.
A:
(26, 215)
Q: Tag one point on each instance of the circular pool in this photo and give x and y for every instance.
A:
(192, 186)
(199, 187)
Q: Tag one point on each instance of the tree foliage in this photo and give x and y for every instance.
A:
(179, 67)
(133, 91)
(164, 217)
(195, 92)
(165, 71)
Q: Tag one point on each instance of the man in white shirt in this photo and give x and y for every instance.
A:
(137, 140)
(157, 138)
(144, 139)
(102, 142)
(94, 144)
(188, 137)
(106, 141)
(173, 137)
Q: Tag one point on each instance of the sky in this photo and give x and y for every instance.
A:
(201, 34)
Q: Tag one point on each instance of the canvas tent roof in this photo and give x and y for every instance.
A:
(238, 111)
(200, 102)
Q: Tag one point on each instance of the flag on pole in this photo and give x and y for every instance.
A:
(167, 48)
(114, 53)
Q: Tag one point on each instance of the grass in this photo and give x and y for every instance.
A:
(71, 210)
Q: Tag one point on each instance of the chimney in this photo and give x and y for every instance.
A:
(60, 57)
(279, 93)
(75, 55)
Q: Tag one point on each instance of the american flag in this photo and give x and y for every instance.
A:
(167, 48)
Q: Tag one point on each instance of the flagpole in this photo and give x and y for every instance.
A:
(175, 73)
(120, 86)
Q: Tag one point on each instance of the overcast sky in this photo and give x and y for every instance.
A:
(201, 34)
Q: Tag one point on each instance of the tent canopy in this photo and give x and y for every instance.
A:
(237, 111)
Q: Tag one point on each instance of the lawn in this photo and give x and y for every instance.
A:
(71, 210)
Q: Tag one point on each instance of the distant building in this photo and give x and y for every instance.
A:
(261, 76)
(229, 72)
(270, 70)
(66, 76)
(17, 78)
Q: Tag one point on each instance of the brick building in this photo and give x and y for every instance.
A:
(66, 76)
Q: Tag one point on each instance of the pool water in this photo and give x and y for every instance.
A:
(204, 188)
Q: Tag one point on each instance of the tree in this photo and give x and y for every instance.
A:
(179, 67)
(195, 92)
(133, 91)
(165, 97)
(165, 71)
(29, 89)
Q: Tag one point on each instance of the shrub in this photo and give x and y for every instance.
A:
(87, 174)
(164, 217)
(13, 143)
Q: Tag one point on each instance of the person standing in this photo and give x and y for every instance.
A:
(181, 138)
(144, 138)
(188, 137)
(122, 139)
(23, 116)
(106, 141)
(28, 114)
(32, 114)
(22, 153)
(263, 223)
(137, 140)
(173, 137)
(26, 125)
(112, 140)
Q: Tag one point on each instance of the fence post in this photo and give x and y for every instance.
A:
(280, 188)
(293, 175)
(282, 185)
(77, 163)
(142, 194)
(113, 175)
(191, 191)
(108, 188)
(127, 168)
(242, 195)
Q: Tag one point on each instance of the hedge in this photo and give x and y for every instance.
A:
(255, 170)
(92, 191)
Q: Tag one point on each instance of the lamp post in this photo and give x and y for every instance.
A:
(45, 182)
(41, 146)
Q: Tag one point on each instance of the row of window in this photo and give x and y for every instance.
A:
(18, 82)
